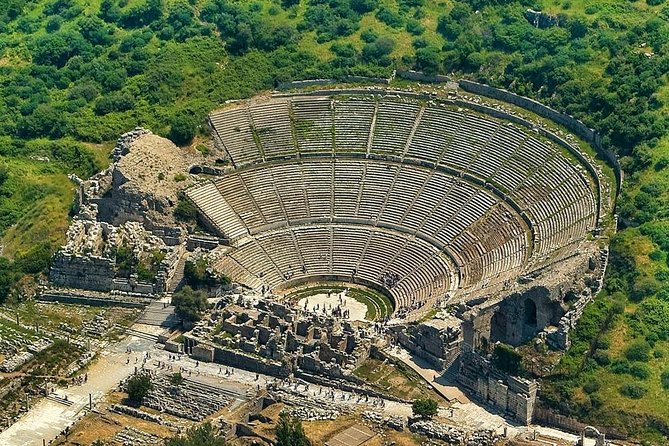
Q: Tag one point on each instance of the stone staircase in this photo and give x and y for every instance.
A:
(177, 280)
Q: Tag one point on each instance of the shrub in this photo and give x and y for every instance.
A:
(602, 343)
(176, 379)
(591, 386)
(507, 359)
(185, 210)
(289, 431)
(620, 367)
(664, 379)
(638, 351)
(639, 370)
(596, 400)
(189, 304)
(633, 390)
(138, 387)
(182, 128)
(601, 357)
(204, 150)
(198, 436)
(425, 408)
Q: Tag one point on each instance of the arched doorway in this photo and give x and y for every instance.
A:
(530, 310)
(498, 326)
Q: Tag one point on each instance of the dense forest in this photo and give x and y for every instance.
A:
(74, 74)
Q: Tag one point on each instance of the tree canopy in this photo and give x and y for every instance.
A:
(203, 435)
(425, 408)
(189, 304)
(289, 431)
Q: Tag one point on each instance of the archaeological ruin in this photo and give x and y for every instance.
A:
(478, 223)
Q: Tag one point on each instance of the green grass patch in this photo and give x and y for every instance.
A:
(378, 305)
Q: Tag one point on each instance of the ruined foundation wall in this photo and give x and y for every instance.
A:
(513, 395)
(85, 272)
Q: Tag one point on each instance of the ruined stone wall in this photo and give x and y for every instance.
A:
(222, 355)
(513, 395)
(86, 272)
(438, 346)
(559, 338)
(422, 77)
(550, 302)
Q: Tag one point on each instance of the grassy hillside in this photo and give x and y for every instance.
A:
(74, 74)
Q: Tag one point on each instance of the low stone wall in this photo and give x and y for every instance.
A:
(422, 77)
(238, 359)
(110, 301)
(323, 82)
(548, 417)
(349, 384)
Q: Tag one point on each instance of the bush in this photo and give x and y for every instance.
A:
(198, 436)
(638, 351)
(596, 400)
(591, 386)
(639, 370)
(138, 387)
(506, 359)
(182, 128)
(425, 408)
(189, 304)
(602, 357)
(620, 367)
(198, 275)
(185, 210)
(664, 379)
(204, 150)
(633, 390)
(176, 379)
(289, 431)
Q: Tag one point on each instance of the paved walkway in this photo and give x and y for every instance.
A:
(48, 418)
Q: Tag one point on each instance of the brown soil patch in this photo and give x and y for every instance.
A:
(105, 426)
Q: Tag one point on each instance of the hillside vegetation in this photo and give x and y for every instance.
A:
(74, 74)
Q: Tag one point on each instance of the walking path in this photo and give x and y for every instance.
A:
(48, 418)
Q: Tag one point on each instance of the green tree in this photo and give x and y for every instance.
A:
(176, 379)
(203, 435)
(185, 210)
(138, 387)
(182, 128)
(506, 359)
(189, 304)
(425, 407)
(428, 60)
(289, 431)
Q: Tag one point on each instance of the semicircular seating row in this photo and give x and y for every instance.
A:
(484, 237)
(414, 272)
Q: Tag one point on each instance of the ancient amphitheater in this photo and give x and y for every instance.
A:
(431, 201)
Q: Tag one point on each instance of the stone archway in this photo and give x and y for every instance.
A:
(498, 327)
(600, 439)
(530, 313)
